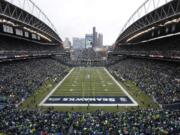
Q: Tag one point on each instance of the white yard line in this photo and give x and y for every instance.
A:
(135, 103)
(53, 90)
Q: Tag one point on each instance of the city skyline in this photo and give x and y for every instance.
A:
(93, 39)
(75, 18)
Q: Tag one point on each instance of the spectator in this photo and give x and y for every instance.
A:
(158, 79)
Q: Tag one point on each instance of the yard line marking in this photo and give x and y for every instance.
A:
(42, 103)
(71, 90)
(82, 84)
(122, 88)
(106, 90)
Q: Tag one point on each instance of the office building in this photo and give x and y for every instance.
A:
(67, 44)
(78, 43)
(100, 40)
(88, 40)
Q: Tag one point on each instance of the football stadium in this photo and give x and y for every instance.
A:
(50, 87)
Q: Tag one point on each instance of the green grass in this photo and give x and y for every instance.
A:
(144, 100)
(89, 82)
(33, 101)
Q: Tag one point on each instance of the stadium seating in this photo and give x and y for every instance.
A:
(20, 79)
(161, 48)
(11, 47)
(144, 122)
(88, 57)
(159, 79)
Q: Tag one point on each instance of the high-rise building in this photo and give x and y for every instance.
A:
(78, 43)
(94, 40)
(94, 37)
(88, 40)
(97, 38)
(67, 43)
(100, 40)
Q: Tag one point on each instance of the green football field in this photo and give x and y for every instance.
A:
(86, 86)
(88, 82)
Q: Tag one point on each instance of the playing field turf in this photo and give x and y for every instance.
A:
(88, 82)
(88, 86)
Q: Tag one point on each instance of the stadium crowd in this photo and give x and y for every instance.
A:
(88, 57)
(20, 79)
(158, 79)
(138, 122)
(86, 54)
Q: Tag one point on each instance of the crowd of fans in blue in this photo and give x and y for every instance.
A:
(21, 79)
(158, 79)
(88, 57)
(138, 122)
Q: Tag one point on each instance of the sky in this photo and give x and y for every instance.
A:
(75, 18)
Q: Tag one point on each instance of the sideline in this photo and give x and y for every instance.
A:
(135, 103)
(53, 90)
